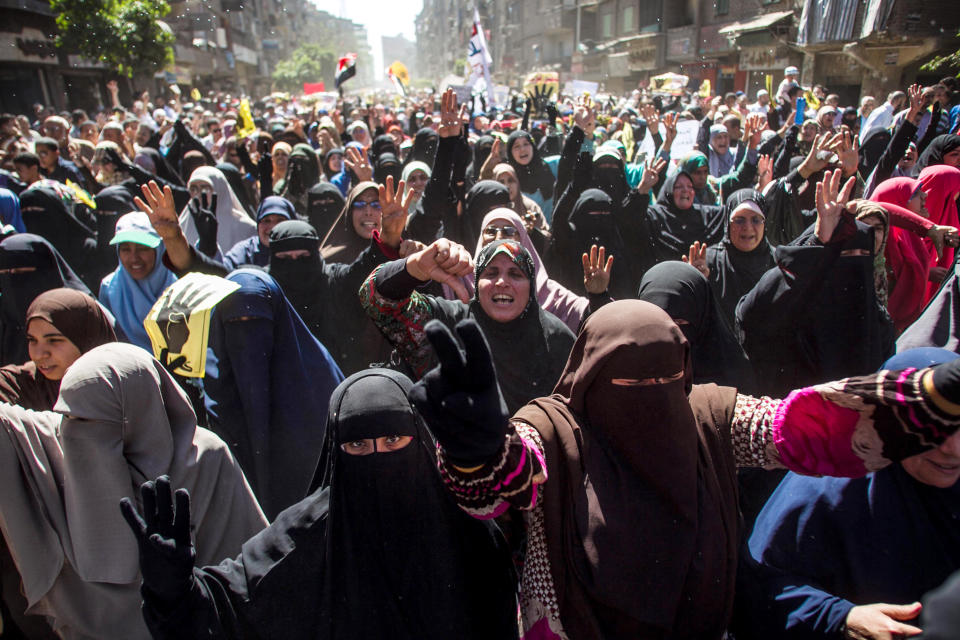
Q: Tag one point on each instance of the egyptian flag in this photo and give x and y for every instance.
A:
(398, 74)
(346, 69)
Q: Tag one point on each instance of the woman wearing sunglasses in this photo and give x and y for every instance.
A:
(351, 232)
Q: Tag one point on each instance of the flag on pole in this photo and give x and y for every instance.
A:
(346, 69)
(397, 72)
(245, 125)
(478, 56)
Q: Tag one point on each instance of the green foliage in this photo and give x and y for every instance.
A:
(308, 63)
(123, 34)
(950, 61)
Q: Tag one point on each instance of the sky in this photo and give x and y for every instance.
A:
(381, 17)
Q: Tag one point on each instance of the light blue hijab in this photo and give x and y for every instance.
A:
(128, 299)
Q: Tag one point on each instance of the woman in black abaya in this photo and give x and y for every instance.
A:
(676, 221)
(379, 550)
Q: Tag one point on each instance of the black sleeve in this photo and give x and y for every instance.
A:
(346, 279)
(781, 165)
(703, 135)
(437, 208)
(893, 153)
(568, 158)
(199, 263)
(394, 282)
(931, 131)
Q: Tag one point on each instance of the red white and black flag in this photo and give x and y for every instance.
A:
(346, 68)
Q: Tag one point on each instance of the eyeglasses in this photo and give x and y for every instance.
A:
(507, 231)
(360, 204)
(743, 221)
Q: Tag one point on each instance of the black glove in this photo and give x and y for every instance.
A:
(204, 214)
(552, 114)
(460, 399)
(265, 174)
(946, 380)
(163, 536)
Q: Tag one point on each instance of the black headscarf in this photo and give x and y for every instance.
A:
(324, 204)
(302, 280)
(235, 180)
(52, 214)
(18, 290)
(938, 147)
(164, 169)
(816, 318)
(684, 293)
(612, 180)
(674, 230)
(303, 171)
(379, 550)
(481, 199)
(733, 272)
(481, 151)
(525, 373)
(385, 165)
(593, 222)
(424, 146)
(115, 198)
(383, 144)
(535, 175)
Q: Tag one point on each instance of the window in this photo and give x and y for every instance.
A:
(723, 6)
(649, 14)
(627, 24)
(607, 25)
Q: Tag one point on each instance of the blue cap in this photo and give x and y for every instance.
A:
(276, 206)
(919, 358)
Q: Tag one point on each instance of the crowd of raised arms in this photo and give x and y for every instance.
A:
(477, 371)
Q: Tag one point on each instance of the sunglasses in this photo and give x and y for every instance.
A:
(508, 231)
(360, 204)
(743, 221)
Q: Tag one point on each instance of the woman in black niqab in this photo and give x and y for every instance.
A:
(324, 204)
(424, 146)
(378, 550)
(481, 151)
(29, 266)
(686, 296)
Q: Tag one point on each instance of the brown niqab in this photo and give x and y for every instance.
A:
(640, 502)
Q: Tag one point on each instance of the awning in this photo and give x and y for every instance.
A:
(756, 24)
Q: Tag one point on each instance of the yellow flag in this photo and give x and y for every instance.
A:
(768, 84)
(195, 94)
(179, 322)
(812, 101)
(627, 139)
(80, 195)
(245, 125)
(400, 73)
(705, 88)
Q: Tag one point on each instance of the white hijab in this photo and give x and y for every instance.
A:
(233, 223)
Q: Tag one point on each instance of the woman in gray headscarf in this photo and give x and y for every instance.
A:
(120, 420)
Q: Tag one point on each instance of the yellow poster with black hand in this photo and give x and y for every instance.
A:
(542, 86)
(179, 322)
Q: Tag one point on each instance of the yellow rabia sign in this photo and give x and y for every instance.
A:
(179, 322)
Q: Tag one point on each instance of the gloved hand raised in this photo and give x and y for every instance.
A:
(203, 210)
(163, 536)
(460, 399)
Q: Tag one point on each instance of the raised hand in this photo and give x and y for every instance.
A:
(161, 209)
(764, 171)
(451, 122)
(203, 210)
(596, 270)
(753, 129)
(394, 207)
(163, 537)
(915, 93)
(460, 399)
(816, 160)
(584, 116)
(651, 174)
(697, 258)
(357, 162)
(445, 262)
(849, 151)
(670, 125)
(831, 200)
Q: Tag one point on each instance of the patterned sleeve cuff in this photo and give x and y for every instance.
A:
(752, 432)
(510, 479)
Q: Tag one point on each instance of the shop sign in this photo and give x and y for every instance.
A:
(759, 58)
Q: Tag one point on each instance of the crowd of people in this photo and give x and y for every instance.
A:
(483, 371)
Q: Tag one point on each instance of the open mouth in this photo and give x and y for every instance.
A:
(45, 369)
(945, 468)
(502, 299)
(368, 224)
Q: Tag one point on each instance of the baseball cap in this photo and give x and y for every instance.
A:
(276, 206)
(791, 71)
(135, 227)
